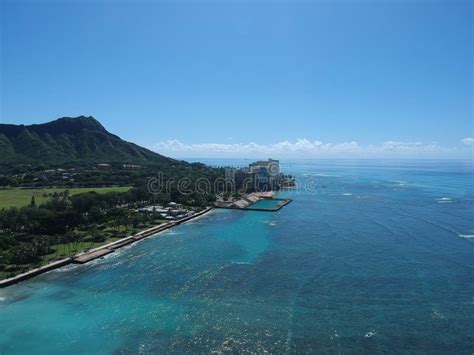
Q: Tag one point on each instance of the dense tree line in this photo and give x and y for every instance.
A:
(30, 232)
(93, 175)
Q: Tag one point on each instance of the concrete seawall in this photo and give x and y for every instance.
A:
(35, 272)
(99, 252)
(250, 208)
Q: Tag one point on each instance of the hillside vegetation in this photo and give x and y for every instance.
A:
(80, 139)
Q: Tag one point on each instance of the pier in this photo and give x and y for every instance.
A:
(285, 201)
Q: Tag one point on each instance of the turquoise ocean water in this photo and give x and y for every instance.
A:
(373, 257)
(266, 204)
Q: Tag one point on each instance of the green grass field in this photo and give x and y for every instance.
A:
(22, 197)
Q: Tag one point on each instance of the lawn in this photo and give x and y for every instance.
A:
(22, 197)
(63, 250)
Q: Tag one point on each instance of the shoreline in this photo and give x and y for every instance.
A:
(245, 200)
(285, 202)
(99, 252)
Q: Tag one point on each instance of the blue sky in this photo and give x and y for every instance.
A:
(248, 78)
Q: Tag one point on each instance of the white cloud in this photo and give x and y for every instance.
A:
(305, 148)
(469, 141)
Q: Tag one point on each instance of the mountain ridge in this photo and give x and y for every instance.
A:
(71, 139)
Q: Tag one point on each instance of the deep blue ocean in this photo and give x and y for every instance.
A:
(370, 257)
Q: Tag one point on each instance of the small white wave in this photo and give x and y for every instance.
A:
(436, 314)
(324, 175)
(402, 182)
(370, 334)
(65, 268)
(3, 299)
(318, 174)
(347, 194)
(467, 236)
(445, 200)
(399, 183)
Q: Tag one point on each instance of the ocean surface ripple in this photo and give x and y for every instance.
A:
(378, 259)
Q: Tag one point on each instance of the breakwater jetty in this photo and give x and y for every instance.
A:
(277, 204)
(99, 252)
(255, 201)
(244, 201)
(280, 203)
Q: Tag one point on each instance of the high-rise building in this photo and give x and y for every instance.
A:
(266, 174)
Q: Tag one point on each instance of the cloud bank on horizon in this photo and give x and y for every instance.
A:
(305, 148)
